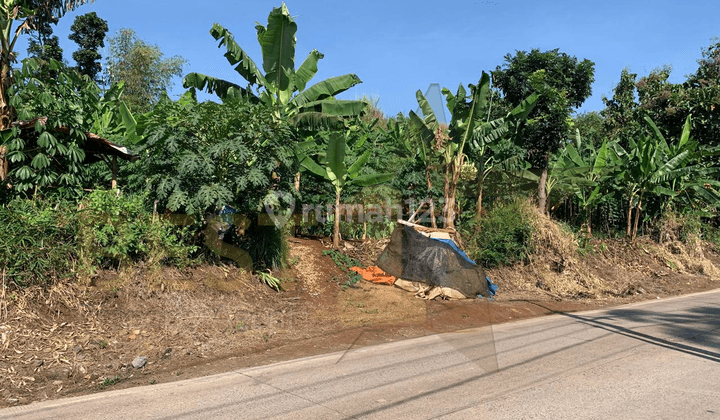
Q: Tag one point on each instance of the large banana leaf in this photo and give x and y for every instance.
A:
(235, 55)
(426, 137)
(664, 172)
(336, 107)
(277, 42)
(601, 159)
(336, 157)
(307, 69)
(226, 91)
(489, 132)
(354, 169)
(372, 179)
(658, 136)
(462, 125)
(428, 113)
(453, 100)
(521, 112)
(326, 89)
(313, 167)
(315, 120)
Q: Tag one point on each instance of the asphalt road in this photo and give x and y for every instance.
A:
(656, 360)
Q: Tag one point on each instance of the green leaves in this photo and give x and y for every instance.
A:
(307, 70)
(281, 88)
(277, 42)
(335, 159)
(326, 89)
(200, 157)
(237, 57)
(332, 166)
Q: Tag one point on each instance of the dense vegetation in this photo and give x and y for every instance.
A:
(229, 181)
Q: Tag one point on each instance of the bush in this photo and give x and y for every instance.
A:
(38, 241)
(267, 246)
(114, 230)
(503, 236)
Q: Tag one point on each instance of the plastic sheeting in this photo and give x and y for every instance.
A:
(412, 256)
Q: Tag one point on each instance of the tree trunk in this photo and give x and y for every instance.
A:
(7, 112)
(452, 176)
(638, 209)
(542, 193)
(481, 185)
(448, 218)
(433, 222)
(297, 181)
(629, 218)
(336, 230)
(3, 163)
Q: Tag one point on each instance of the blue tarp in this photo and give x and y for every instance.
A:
(491, 286)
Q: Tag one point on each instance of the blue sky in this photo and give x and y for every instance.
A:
(397, 47)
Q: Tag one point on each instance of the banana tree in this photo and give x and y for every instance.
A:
(581, 171)
(331, 166)
(467, 128)
(425, 144)
(279, 85)
(22, 13)
(484, 149)
(652, 166)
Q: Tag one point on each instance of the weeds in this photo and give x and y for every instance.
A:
(503, 236)
(38, 244)
(345, 263)
(270, 280)
(110, 381)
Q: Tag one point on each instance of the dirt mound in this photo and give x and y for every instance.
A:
(562, 267)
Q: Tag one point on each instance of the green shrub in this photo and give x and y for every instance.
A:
(114, 230)
(503, 236)
(266, 245)
(38, 241)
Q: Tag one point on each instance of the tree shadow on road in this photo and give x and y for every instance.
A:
(693, 331)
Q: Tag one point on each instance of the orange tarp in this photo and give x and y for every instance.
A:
(374, 274)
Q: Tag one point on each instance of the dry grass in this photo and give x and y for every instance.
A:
(557, 268)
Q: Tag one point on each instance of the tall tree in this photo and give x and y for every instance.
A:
(282, 87)
(621, 111)
(141, 66)
(563, 83)
(88, 31)
(43, 44)
(15, 16)
(668, 104)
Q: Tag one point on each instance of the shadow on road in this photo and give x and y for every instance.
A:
(695, 325)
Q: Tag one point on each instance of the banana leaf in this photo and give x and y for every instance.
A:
(336, 156)
(226, 91)
(237, 57)
(277, 42)
(307, 69)
(326, 89)
(372, 179)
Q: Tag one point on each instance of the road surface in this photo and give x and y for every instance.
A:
(654, 360)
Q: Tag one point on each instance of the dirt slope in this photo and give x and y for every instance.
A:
(68, 340)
